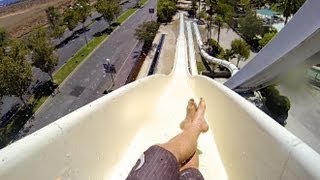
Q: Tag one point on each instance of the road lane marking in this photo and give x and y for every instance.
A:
(135, 45)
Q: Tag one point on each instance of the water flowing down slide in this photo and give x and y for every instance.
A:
(103, 139)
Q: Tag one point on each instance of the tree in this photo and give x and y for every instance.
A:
(43, 55)
(266, 38)
(15, 77)
(277, 104)
(210, 22)
(218, 21)
(202, 15)
(289, 7)
(55, 22)
(193, 9)
(224, 13)
(58, 31)
(4, 38)
(71, 18)
(257, 3)
(250, 25)
(246, 3)
(83, 9)
(53, 16)
(240, 50)
(146, 32)
(226, 55)
(108, 9)
(214, 48)
(165, 10)
(17, 50)
(212, 6)
(209, 18)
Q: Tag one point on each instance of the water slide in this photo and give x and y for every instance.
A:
(103, 139)
(231, 67)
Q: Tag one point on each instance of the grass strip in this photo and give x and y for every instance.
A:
(126, 14)
(38, 103)
(71, 64)
(143, 2)
(81, 55)
(200, 66)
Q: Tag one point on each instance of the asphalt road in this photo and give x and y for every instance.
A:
(65, 52)
(89, 81)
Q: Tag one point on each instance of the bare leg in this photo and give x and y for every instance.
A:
(184, 145)
(192, 163)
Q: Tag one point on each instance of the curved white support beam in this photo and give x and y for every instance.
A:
(103, 139)
(231, 67)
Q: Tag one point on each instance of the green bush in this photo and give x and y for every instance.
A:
(266, 38)
(269, 91)
(146, 32)
(193, 10)
(214, 48)
(277, 104)
(165, 10)
(250, 25)
(202, 14)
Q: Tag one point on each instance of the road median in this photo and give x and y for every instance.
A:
(82, 55)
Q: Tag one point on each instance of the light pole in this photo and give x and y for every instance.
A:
(151, 11)
(199, 9)
(109, 68)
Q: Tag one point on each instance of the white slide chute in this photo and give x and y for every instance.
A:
(231, 67)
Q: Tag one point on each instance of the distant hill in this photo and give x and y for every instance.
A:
(24, 15)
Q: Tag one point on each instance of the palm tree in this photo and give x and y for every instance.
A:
(240, 50)
(290, 7)
(212, 6)
(224, 13)
(218, 21)
(210, 23)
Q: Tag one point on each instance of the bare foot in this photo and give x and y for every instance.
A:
(198, 120)
(191, 111)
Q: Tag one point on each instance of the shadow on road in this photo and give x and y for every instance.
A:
(16, 123)
(74, 35)
(13, 121)
(44, 89)
(97, 18)
(107, 30)
(7, 116)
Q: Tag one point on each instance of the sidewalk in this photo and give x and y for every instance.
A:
(166, 58)
(126, 68)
